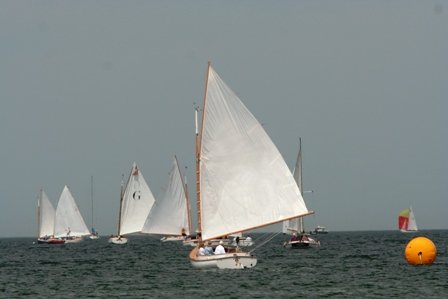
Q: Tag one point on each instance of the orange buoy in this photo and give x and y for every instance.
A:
(420, 251)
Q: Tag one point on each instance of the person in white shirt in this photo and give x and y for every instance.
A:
(220, 249)
(201, 251)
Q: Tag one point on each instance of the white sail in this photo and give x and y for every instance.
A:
(136, 204)
(291, 226)
(68, 219)
(245, 182)
(412, 226)
(170, 212)
(46, 215)
(296, 225)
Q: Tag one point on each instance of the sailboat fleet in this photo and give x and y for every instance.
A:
(242, 183)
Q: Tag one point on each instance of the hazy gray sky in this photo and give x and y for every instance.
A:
(88, 87)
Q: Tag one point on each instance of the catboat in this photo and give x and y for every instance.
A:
(136, 200)
(69, 224)
(232, 259)
(242, 180)
(302, 240)
(170, 214)
(295, 227)
(45, 221)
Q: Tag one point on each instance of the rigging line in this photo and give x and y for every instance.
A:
(262, 237)
(266, 241)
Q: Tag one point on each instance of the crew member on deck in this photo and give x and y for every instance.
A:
(220, 249)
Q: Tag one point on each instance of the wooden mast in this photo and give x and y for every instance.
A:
(185, 187)
(299, 159)
(198, 154)
(39, 202)
(121, 202)
(91, 197)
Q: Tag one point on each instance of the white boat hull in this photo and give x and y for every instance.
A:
(172, 238)
(118, 241)
(302, 243)
(237, 260)
(408, 231)
(319, 230)
(50, 241)
(73, 239)
(94, 237)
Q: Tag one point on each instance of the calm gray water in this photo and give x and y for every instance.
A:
(347, 265)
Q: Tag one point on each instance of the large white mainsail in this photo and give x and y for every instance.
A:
(68, 219)
(46, 215)
(170, 212)
(136, 203)
(244, 181)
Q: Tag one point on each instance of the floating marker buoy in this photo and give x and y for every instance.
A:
(420, 251)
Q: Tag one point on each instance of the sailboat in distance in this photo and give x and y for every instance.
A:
(406, 221)
(170, 214)
(296, 227)
(242, 180)
(136, 200)
(45, 221)
(93, 234)
(69, 224)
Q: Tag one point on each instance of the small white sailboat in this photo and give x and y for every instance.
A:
(243, 182)
(69, 224)
(136, 200)
(295, 227)
(406, 221)
(170, 214)
(45, 221)
(93, 234)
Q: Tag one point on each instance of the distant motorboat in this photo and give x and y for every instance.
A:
(320, 230)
